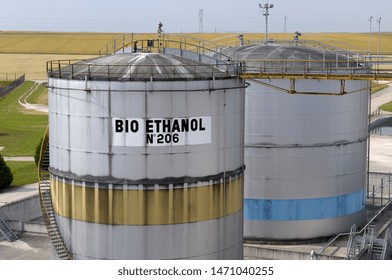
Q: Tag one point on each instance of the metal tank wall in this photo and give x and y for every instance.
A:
(121, 193)
(305, 155)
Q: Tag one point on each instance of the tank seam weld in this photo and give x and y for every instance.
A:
(318, 145)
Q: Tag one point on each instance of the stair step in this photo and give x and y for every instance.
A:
(46, 204)
(7, 232)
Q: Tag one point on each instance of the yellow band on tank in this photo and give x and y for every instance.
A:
(146, 206)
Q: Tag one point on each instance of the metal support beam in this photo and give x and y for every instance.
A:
(292, 89)
(342, 86)
(318, 76)
(292, 86)
(269, 85)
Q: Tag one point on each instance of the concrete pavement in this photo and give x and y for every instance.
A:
(380, 154)
(30, 246)
(23, 202)
(18, 193)
(381, 146)
(381, 97)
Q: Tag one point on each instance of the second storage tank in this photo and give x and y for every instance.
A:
(305, 153)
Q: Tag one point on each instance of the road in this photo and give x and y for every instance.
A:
(380, 146)
(381, 97)
(23, 99)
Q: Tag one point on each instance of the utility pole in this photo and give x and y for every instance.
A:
(265, 10)
(201, 20)
(285, 24)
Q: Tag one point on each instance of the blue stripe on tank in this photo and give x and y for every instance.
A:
(303, 209)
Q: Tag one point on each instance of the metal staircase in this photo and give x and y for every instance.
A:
(376, 252)
(46, 202)
(355, 244)
(381, 248)
(6, 231)
(369, 246)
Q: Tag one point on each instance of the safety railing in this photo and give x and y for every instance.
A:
(248, 69)
(341, 65)
(338, 69)
(158, 42)
(6, 229)
(69, 69)
(380, 187)
(353, 232)
(318, 63)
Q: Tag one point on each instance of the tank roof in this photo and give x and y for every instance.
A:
(297, 54)
(279, 52)
(138, 66)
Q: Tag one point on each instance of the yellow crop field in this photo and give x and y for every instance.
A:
(27, 52)
(53, 43)
(90, 43)
(354, 41)
(33, 65)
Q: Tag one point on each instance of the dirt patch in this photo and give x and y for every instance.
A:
(4, 134)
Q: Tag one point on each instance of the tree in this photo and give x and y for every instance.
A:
(6, 176)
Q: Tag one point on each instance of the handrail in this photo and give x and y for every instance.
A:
(345, 66)
(348, 233)
(45, 210)
(83, 70)
(267, 69)
(319, 76)
(5, 218)
(157, 42)
(122, 40)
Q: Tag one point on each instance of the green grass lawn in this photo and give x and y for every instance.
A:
(20, 132)
(387, 107)
(20, 129)
(25, 172)
(375, 87)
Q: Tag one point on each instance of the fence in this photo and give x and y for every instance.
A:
(7, 89)
(9, 76)
(380, 187)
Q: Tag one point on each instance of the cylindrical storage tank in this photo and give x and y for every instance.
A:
(146, 158)
(305, 153)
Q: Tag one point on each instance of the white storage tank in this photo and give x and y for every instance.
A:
(305, 153)
(146, 158)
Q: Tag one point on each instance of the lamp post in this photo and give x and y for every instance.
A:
(265, 10)
(370, 105)
(370, 38)
(378, 44)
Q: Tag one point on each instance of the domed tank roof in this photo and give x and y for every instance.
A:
(278, 52)
(299, 54)
(139, 67)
